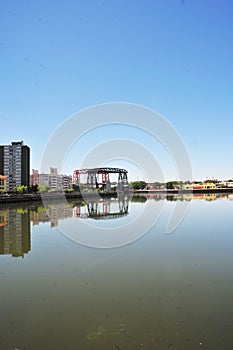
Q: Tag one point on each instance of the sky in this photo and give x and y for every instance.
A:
(173, 56)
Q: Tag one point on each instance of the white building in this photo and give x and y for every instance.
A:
(44, 179)
(55, 181)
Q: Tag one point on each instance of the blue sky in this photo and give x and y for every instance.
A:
(173, 56)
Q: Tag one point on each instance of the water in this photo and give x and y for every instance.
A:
(159, 292)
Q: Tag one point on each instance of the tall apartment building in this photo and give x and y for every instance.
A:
(15, 164)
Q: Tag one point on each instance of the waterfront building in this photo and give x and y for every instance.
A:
(2, 183)
(15, 164)
(66, 181)
(34, 178)
(192, 186)
(54, 181)
(53, 171)
(44, 179)
(208, 185)
(228, 184)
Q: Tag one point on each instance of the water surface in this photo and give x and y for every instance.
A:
(159, 292)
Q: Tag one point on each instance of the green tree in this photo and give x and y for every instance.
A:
(34, 189)
(138, 185)
(169, 185)
(139, 199)
(76, 187)
(68, 190)
(208, 181)
(21, 189)
(43, 188)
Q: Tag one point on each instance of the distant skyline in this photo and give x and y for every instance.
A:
(175, 57)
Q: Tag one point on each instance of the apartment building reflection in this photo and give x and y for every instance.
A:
(15, 235)
(15, 226)
(51, 214)
(15, 223)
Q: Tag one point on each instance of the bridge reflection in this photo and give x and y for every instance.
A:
(111, 208)
(15, 222)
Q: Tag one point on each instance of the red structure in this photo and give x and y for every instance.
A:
(105, 178)
(92, 178)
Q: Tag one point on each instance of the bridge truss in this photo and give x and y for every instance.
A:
(92, 177)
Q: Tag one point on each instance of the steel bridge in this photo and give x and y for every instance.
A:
(92, 180)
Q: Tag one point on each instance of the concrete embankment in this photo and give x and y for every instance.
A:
(27, 198)
(181, 191)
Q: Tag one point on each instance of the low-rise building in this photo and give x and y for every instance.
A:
(208, 185)
(3, 183)
(66, 181)
(228, 183)
(192, 186)
(53, 181)
(44, 179)
(34, 178)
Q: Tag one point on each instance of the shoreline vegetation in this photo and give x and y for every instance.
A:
(30, 197)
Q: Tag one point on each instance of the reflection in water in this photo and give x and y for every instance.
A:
(52, 214)
(15, 232)
(141, 199)
(190, 197)
(15, 222)
(181, 197)
(111, 208)
(161, 292)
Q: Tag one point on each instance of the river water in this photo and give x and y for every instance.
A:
(161, 291)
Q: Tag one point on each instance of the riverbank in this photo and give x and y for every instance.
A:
(182, 191)
(28, 197)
